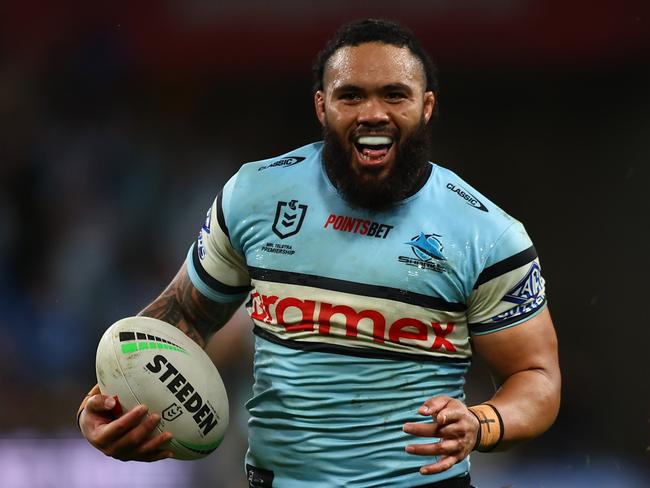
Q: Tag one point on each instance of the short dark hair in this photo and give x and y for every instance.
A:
(375, 30)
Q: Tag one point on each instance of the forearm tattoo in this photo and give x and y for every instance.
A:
(182, 305)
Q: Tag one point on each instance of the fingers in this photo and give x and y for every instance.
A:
(130, 420)
(100, 404)
(444, 447)
(454, 425)
(428, 429)
(434, 405)
(443, 464)
(129, 437)
(444, 411)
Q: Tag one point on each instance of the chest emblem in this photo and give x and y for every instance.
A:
(289, 217)
(427, 247)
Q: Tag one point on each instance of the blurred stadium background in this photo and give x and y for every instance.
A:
(121, 120)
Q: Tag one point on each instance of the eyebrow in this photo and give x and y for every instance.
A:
(397, 86)
(390, 87)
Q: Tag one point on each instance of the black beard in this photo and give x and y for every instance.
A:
(411, 166)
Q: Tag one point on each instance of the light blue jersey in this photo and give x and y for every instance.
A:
(359, 316)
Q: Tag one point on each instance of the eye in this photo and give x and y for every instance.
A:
(350, 97)
(395, 96)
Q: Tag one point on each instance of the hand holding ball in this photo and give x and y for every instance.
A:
(142, 360)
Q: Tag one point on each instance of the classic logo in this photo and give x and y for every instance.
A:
(172, 412)
(284, 162)
(289, 217)
(467, 196)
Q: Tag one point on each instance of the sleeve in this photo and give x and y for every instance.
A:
(510, 288)
(215, 268)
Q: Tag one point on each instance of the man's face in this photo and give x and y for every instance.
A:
(373, 108)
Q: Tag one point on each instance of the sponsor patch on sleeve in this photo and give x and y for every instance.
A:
(204, 229)
(527, 296)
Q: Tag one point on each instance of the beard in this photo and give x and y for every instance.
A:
(366, 191)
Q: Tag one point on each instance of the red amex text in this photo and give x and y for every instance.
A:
(316, 316)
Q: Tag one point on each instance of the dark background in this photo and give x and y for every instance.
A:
(120, 123)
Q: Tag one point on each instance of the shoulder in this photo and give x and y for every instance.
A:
(470, 209)
(276, 166)
(257, 181)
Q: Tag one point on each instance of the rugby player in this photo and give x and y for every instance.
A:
(371, 276)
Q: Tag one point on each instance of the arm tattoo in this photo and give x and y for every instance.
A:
(183, 306)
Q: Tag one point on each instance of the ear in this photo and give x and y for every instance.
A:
(429, 104)
(319, 106)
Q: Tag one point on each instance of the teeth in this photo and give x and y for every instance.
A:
(374, 140)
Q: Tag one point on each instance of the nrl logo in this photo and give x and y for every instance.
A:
(289, 217)
(172, 412)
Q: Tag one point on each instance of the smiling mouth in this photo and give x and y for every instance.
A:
(373, 150)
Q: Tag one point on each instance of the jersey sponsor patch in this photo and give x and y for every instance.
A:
(289, 217)
(364, 227)
(290, 313)
(470, 199)
(283, 163)
(204, 228)
(528, 295)
(529, 287)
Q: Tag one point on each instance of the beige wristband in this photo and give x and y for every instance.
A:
(95, 391)
(490, 430)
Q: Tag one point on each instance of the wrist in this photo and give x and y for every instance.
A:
(94, 391)
(490, 427)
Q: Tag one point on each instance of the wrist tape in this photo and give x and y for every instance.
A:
(490, 429)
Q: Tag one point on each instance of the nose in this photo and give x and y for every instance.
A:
(372, 112)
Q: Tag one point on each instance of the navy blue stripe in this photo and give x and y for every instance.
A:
(355, 288)
(507, 265)
(354, 351)
(212, 282)
(479, 328)
(220, 218)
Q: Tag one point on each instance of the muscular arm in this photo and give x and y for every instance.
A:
(524, 360)
(182, 305)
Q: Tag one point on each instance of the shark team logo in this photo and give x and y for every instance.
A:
(289, 217)
(427, 249)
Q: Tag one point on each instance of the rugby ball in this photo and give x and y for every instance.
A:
(142, 360)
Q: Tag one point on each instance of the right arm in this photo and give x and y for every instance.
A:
(183, 306)
(129, 436)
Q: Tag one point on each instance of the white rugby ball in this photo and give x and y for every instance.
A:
(142, 360)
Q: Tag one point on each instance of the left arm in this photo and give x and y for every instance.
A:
(524, 359)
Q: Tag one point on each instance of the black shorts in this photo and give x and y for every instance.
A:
(458, 482)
